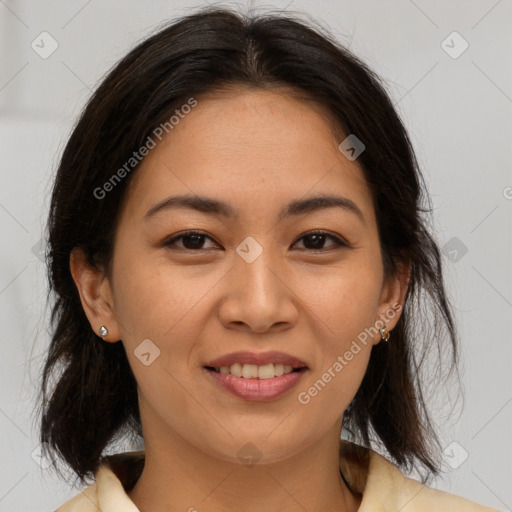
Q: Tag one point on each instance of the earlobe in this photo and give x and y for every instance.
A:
(393, 295)
(95, 295)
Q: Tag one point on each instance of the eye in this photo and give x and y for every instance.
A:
(316, 239)
(191, 240)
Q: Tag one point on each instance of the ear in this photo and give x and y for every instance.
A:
(95, 294)
(392, 298)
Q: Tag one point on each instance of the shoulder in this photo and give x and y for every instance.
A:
(387, 488)
(116, 474)
(86, 501)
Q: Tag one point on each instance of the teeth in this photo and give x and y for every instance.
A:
(253, 371)
(249, 371)
(236, 369)
(266, 372)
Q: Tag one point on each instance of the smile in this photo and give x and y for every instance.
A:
(253, 387)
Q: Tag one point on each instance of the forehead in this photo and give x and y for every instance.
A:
(252, 147)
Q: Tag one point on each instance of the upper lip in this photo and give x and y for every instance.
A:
(260, 359)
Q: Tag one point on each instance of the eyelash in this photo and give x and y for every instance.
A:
(339, 243)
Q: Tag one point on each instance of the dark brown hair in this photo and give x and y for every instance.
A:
(92, 399)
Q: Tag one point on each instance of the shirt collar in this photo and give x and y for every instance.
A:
(119, 472)
(383, 486)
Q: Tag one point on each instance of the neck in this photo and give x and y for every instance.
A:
(178, 476)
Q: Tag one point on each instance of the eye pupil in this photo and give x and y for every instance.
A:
(198, 241)
(317, 239)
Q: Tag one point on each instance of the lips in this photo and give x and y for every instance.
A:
(256, 390)
(259, 377)
(260, 359)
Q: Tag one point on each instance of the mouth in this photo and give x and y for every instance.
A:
(253, 371)
(256, 383)
(252, 365)
(256, 377)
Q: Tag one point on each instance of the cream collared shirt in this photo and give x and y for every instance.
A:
(383, 486)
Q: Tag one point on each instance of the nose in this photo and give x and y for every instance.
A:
(258, 297)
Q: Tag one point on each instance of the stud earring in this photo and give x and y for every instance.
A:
(103, 331)
(384, 333)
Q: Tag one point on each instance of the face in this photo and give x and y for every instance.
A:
(256, 276)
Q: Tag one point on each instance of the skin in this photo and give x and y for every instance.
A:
(256, 150)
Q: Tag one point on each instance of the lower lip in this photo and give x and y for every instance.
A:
(257, 390)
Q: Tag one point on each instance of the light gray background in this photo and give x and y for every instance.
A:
(458, 112)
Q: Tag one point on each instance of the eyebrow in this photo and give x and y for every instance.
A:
(220, 208)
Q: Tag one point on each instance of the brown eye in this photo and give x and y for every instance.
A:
(190, 240)
(313, 241)
(316, 239)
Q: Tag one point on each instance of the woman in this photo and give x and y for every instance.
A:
(241, 271)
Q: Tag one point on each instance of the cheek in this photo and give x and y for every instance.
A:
(344, 300)
(344, 349)
(153, 298)
(338, 380)
(344, 306)
(157, 309)
(168, 306)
